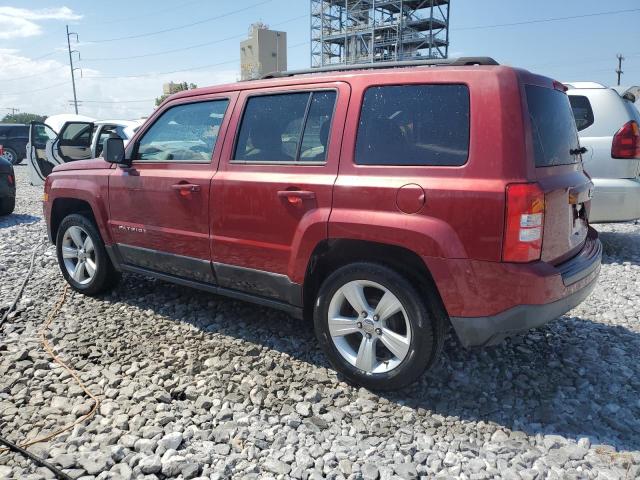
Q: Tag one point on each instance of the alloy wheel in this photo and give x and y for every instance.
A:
(79, 255)
(369, 326)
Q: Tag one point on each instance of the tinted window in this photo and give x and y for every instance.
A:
(107, 132)
(184, 133)
(316, 131)
(414, 125)
(582, 111)
(553, 126)
(77, 133)
(273, 125)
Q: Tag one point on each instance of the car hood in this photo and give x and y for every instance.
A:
(93, 164)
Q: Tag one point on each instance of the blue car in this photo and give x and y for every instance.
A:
(7, 187)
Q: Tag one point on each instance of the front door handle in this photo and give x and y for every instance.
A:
(296, 197)
(185, 189)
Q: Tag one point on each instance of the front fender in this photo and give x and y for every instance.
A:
(90, 188)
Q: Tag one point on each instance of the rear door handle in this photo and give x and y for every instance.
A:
(186, 187)
(296, 197)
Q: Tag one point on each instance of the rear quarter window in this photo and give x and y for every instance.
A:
(582, 111)
(419, 125)
(553, 126)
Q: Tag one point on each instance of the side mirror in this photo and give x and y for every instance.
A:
(113, 151)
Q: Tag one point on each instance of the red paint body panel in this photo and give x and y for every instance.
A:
(456, 225)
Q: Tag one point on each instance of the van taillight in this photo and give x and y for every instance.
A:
(1, 150)
(626, 142)
(524, 223)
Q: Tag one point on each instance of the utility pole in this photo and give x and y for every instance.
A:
(619, 70)
(13, 110)
(73, 78)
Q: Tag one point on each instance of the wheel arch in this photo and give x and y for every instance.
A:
(331, 254)
(64, 206)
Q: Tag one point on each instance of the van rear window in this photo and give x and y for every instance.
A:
(414, 125)
(553, 126)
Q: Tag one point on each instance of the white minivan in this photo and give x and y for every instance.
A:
(67, 138)
(609, 127)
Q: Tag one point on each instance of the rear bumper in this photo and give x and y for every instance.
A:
(570, 283)
(615, 200)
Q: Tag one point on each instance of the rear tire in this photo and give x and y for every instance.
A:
(82, 257)
(397, 336)
(11, 155)
(7, 205)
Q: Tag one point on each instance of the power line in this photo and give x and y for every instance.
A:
(173, 29)
(36, 90)
(201, 67)
(117, 101)
(190, 47)
(4, 66)
(545, 20)
(155, 13)
(57, 67)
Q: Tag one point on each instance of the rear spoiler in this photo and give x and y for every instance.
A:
(629, 93)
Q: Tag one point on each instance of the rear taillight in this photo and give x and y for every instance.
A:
(626, 142)
(524, 223)
(11, 180)
(1, 150)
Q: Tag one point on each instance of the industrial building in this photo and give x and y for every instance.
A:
(364, 31)
(265, 51)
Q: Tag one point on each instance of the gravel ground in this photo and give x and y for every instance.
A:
(194, 385)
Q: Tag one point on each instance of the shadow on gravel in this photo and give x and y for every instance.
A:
(17, 219)
(620, 247)
(574, 378)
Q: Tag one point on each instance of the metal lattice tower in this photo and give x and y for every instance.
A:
(367, 31)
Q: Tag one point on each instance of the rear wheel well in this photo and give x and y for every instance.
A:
(66, 206)
(330, 255)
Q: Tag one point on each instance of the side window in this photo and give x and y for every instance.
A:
(414, 125)
(582, 111)
(316, 132)
(183, 133)
(77, 134)
(106, 132)
(290, 127)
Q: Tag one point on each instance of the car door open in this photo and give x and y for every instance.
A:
(73, 142)
(39, 164)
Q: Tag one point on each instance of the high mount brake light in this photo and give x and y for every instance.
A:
(524, 223)
(626, 142)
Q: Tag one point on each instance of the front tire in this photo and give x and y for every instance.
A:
(7, 205)
(375, 328)
(82, 256)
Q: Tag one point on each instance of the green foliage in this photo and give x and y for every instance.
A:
(23, 118)
(175, 88)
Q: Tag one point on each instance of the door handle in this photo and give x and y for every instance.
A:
(185, 189)
(295, 197)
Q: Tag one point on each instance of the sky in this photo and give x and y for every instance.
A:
(128, 49)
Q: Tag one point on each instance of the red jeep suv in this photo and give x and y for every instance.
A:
(386, 203)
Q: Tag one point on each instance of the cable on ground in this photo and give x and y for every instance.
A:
(49, 349)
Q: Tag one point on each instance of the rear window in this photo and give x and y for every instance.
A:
(414, 125)
(582, 111)
(553, 126)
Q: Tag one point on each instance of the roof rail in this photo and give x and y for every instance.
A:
(449, 62)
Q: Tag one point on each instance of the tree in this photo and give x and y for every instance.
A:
(172, 87)
(23, 118)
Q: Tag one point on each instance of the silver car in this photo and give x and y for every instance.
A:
(609, 127)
